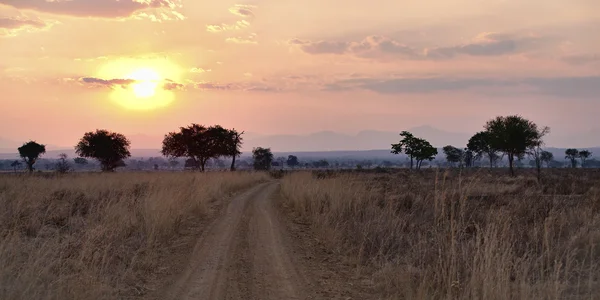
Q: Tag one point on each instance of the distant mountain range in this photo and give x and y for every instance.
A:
(326, 143)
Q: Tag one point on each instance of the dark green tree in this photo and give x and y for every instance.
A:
(480, 145)
(31, 152)
(584, 155)
(417, 149)
(454, 155)
(109, 148)
(292, 161)
(263, 158)
(512, 135)
(572, 155)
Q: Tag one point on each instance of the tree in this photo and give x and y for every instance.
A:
(292, 161)
(281, 161)
(572, 155)
(469, 158)
(109, 148)
(31, 152)
(454, 155)
(536, 152)
(63, 166)
(547, 157)
(416, 149)
(173, 163)
(512, 135)
(262, 158)
(15, 164)
(584, 155)
(234, 146)
(480, 145)
(80, 161)
(194, 142)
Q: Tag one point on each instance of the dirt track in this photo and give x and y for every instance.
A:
(246, 253)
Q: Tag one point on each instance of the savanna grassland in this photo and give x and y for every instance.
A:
(438, 234)
(103, 236)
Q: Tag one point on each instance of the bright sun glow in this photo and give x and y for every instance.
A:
(147, 81)
(150, 76)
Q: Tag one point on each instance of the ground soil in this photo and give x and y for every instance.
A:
(254, 249)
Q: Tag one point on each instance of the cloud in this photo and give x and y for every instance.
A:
(562, 87)
(199, 70)
(171, 85)
(94, 8)
(110, 83)
(11, 26)
(242, 10)
(485, 44)
(582, 59)
(239, 25)
(214, 86)
(251, 39)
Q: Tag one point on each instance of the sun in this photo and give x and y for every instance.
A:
(146, 91)
(146, 82)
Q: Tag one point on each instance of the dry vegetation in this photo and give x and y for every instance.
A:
(442, 235)
(100, 236)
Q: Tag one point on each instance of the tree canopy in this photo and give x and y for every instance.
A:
(514, 136)
(263, 157)
(292, 161)
(417, 149)
(572, 155)
(31, 152)
(480, 145)
(109, 148)
(454, 155)
(200, 143)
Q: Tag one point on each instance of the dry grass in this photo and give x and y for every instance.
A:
(99, 236)
(435, 235)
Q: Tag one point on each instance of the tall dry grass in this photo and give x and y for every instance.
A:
(99, 236)
(435, 235)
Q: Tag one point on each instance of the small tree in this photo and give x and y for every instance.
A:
(512, 135)
(416, 149)
(454, 155)
(469, 158)
(63, 166)
(584, 155)
(281, 161)
(80, 161)
(109, 148)
(15, 164)
(234, 145)
(547, 157)
(31, 152)
(536, 152)
(292, 161)
(263, 157)
(480, 145)
(572, 155)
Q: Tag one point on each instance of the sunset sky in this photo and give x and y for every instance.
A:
(296, 67)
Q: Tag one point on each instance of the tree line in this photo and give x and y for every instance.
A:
(512, 136)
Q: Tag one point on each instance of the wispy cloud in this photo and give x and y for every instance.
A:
(11, 26)
(242, 10)
(582, 59)
(110, 83)
(485, 44)
(94, 8)
(250, 39)
(199, 70)
(228, 27)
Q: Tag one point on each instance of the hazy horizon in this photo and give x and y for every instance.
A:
(145, 68)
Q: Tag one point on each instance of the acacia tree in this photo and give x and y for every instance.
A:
(454, 155)
(547, 157)
(234, 143)
(109, 148)
(572, 155)
(292, 161)
(31, 152)
(536, 152)
(417, 149)
(263, 158)
(194, 142)
(480, 145)
(512, 135)
(15, 164)
(584, 155)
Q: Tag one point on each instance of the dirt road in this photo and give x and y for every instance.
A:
(246, 253)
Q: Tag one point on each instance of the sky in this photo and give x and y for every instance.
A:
(147, 67)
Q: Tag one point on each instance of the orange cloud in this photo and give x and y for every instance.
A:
(11, 26)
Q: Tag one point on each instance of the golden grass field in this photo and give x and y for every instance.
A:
(101, 236)
(441, 235)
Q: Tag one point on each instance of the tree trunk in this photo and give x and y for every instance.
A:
(411, 162)
(232, 164)
(511, 159)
